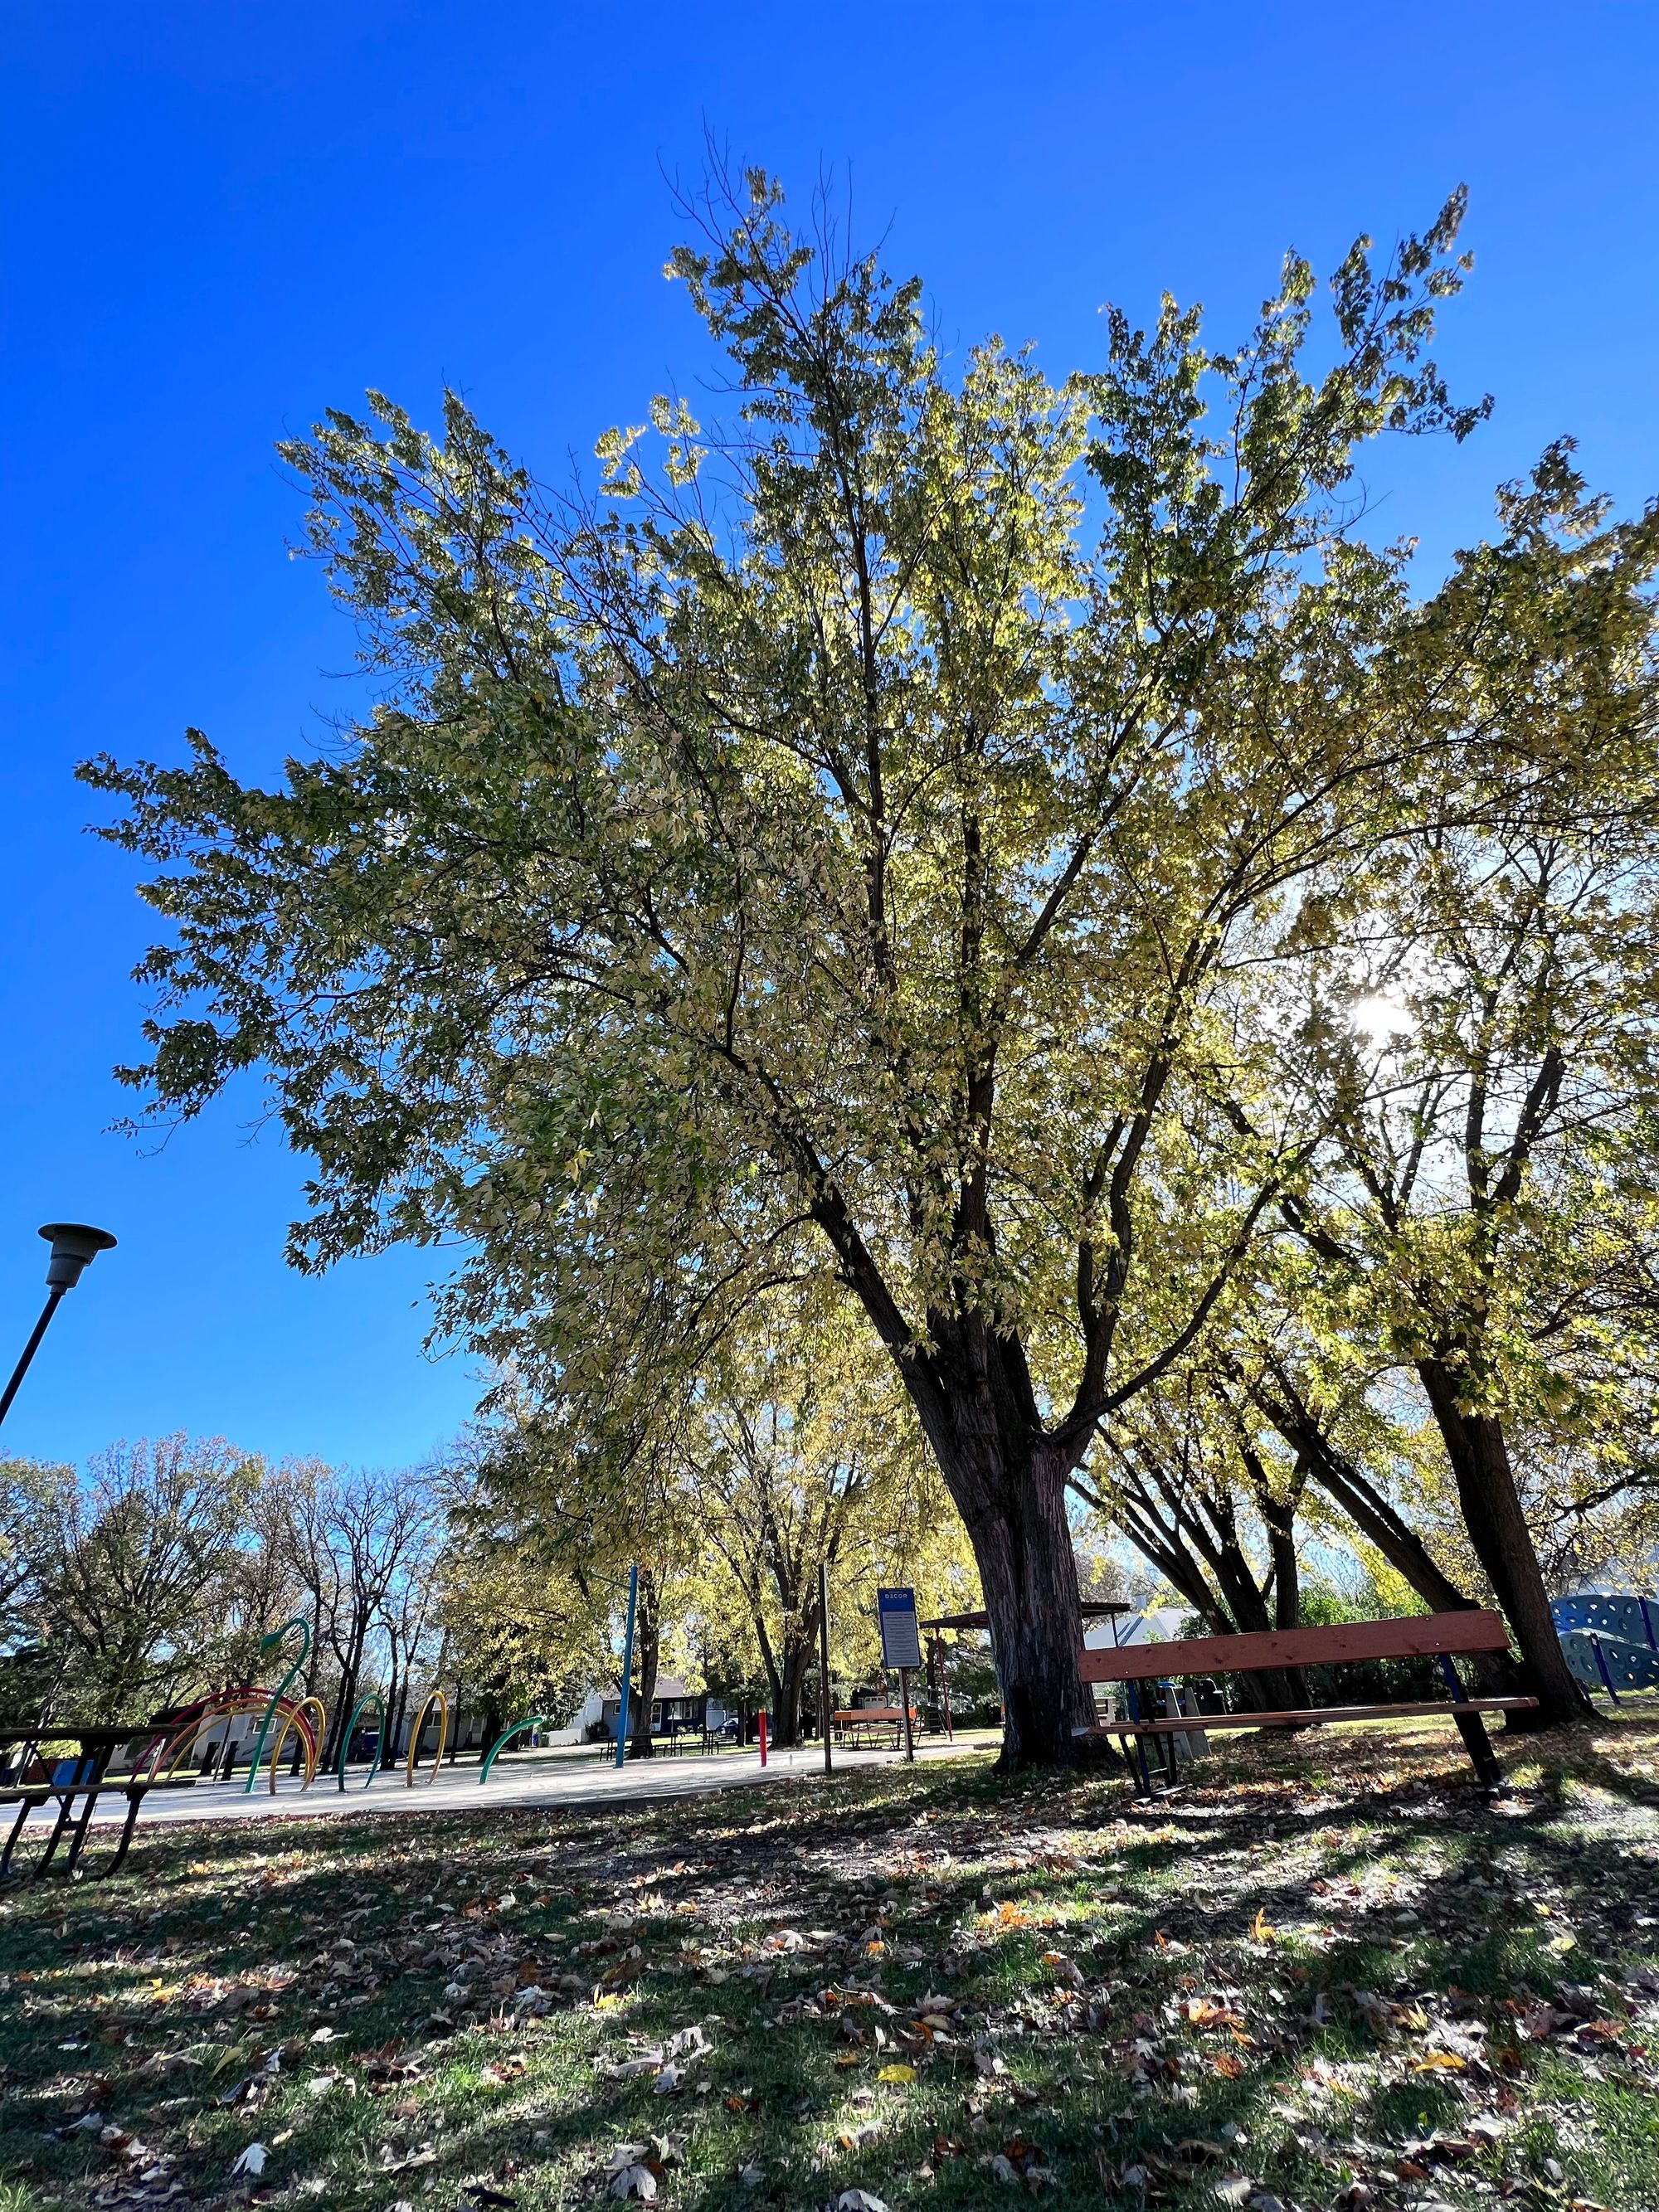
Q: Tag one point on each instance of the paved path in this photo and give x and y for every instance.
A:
(554, 1780)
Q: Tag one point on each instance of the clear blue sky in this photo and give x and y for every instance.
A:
(219, 219)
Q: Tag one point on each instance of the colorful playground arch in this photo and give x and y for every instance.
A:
(368, 1698)
(432, 1697)
(310, 1732)
(536, 1720)
(177, 1737)
(279, 1695)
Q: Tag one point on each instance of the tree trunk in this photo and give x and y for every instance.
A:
(1503, 1542)
(1279, 1518)
(1263, 1689)
(794, 1661)
(398, 1707)
(1496, 1673)
(1015, 1521)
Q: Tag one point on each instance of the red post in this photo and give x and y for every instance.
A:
(762, 1734)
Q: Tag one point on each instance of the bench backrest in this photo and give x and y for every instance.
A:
(1425, 1632)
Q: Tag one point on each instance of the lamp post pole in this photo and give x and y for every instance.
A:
(74, 1248)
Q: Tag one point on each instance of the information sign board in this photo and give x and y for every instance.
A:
(901, 1637)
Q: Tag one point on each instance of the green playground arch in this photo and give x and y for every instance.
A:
(536, 1720)
(368, 1698)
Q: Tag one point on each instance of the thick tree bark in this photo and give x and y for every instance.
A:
(792, 1687)
(1008, 1480)
(1497, 1528)
(1015, 1515)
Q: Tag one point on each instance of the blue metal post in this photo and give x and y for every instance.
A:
(628, 1664)
(1595, 1646)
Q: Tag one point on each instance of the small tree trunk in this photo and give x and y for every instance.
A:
(1279, 1519)
(1497, 1528)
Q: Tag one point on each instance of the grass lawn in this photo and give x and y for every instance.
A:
(1328, 1975)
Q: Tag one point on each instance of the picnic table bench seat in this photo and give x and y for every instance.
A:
(1439, 1635)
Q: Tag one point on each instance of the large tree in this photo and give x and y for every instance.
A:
(843, 846)
(1483, 1211)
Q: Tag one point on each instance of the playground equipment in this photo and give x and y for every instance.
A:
(368, 1698)
(536, 1720)
(310, 1732)
(177, 1736)
(1610, 1640)
(267, 1645)
(432, 1697)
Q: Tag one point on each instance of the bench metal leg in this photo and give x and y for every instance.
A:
(135, 1799)
(1140, 1743)
(77, 1843)
(1473, 1730)
(65, 1804)
(29, 1805)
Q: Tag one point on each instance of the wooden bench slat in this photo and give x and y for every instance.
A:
(1422, 1635)
(1313, 1717)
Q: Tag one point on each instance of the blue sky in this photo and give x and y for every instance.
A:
(219, 219)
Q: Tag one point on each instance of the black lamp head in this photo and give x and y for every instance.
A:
(74, 1248)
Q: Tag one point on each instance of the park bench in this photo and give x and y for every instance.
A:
(1439, 1635)
(87, 1778)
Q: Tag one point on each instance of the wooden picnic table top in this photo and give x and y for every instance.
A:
(1414, 1635)
(96, 1736)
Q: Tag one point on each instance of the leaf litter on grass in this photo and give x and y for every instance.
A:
(1320, 1996)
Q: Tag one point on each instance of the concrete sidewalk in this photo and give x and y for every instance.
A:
(553, 1779)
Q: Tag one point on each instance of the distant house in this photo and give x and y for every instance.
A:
(1157, 1627)
(675, 1710)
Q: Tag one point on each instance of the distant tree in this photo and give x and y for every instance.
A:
(32, 1497)
(361, 1547)
(133, 1568)
(800, 1453)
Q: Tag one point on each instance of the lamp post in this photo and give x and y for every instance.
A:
(74, 1248)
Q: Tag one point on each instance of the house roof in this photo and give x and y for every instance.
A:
(668, 1686)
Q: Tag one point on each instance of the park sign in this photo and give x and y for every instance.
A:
(901, 1637)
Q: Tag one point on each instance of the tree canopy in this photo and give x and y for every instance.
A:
(890, 836)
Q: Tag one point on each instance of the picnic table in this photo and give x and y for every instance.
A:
(1436, 1635)
(859, 1723)
(83, 1774)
